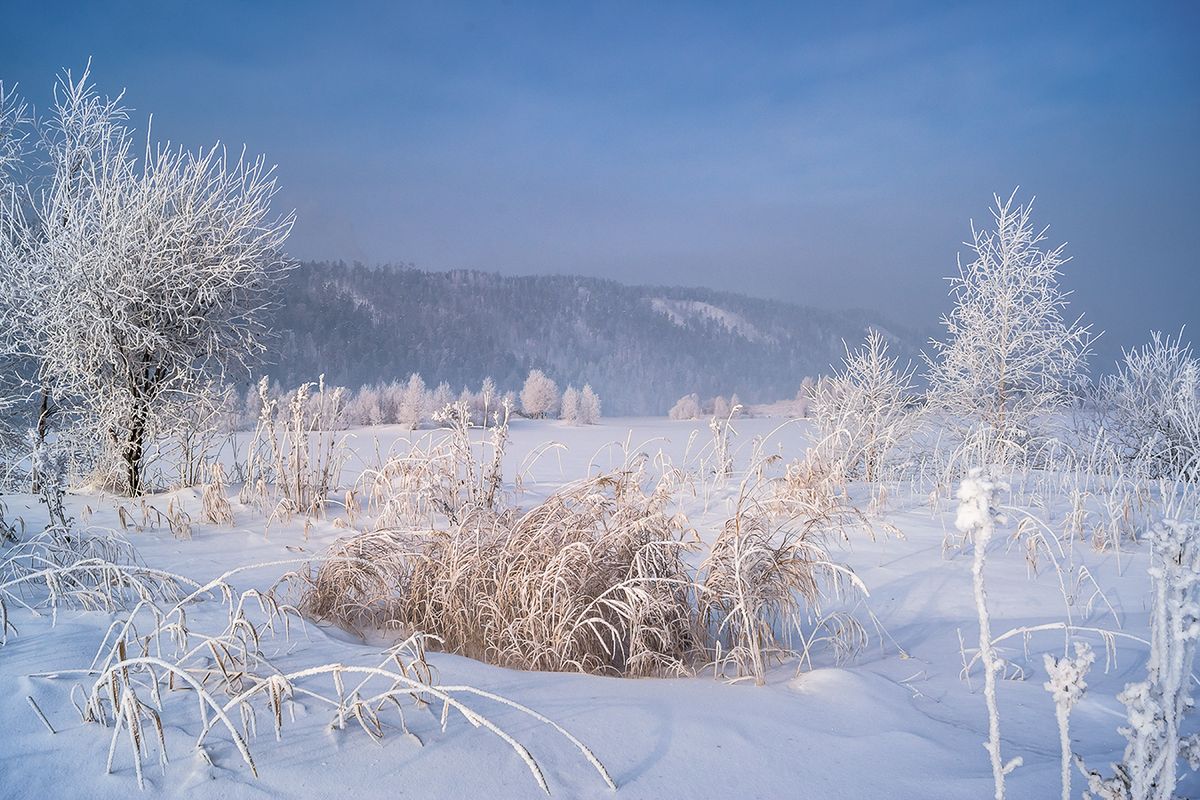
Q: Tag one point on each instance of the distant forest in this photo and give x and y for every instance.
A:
(640, 347)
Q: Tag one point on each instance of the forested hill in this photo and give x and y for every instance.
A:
(640, 347)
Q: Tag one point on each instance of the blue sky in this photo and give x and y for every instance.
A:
(826, 156)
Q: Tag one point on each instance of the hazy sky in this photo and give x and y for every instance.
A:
(784, 150)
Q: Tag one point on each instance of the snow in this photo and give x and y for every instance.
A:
(681, 312)
(898, 720)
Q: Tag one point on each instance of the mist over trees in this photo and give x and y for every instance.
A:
(640, 348)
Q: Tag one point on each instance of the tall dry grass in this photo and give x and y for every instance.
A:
(603, 576)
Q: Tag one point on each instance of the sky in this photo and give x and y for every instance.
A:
(827, 154)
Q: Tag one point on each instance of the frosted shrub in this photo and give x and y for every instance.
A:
(862, 412)
(722, 432)
(720, 407)
(1155, 707)
(295, 457)
(595, 578)
(214, 503)
(1150, 409)
(803, 404)
(50, 466)
(445, 477)
(441, 397)
(471, 484)
(489, 397)
(815, 482)
(193, 433)
(470, 402)
(365, 408)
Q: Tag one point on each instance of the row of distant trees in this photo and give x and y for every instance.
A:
(540, 398)
(413, 404)
(691, 407)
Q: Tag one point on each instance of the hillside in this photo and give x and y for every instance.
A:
(640, 347)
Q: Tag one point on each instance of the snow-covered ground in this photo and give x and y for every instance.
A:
(898, 720)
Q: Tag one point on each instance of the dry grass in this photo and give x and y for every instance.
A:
(295, 456)
(591, 580)
(90, 569)
(156, 656)
(215, 503)
(766, 578)
(599, 577)
(443, 476)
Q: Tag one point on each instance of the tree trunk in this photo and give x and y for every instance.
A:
(43, 428)
(133, 450)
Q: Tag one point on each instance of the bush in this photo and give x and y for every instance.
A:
(862, 412)
(1150, 409)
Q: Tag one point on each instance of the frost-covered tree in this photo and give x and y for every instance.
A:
(391, 395)
(509, 400)
(411, 409)
(15, 121)
(1009, 352)
(569, 412)
(140, 277)
(442, 396)
(364, 407)
(686, 407)
(539, 397)
(589, 406)
(720, 407)
(862, 411)
(469, 401)
(488, 395)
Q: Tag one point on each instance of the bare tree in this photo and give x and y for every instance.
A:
(1009, 353)
(143, 277)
